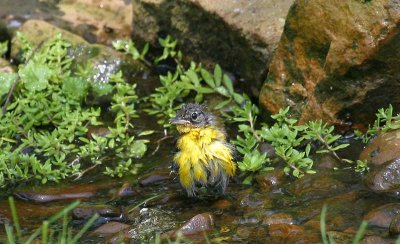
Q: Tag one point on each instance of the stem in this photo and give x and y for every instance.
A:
(252, 127)
(329, 148)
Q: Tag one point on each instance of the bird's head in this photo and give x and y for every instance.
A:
(192, 116)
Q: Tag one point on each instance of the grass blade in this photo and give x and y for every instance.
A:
(323, 225)
(360, 232)
(53, 219)
(10, 234)
(15, 217)
(88, 224)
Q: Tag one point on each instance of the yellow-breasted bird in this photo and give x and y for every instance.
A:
(205, 158)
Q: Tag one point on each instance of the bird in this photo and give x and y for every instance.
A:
(204, 156)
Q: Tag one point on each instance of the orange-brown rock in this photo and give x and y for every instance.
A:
(337, 60)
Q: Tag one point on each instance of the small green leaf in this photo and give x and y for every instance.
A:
(217, 75)
(75, 88)
(6, 81)
(222, 104)
(228, 84)
(248, 180)
(207, 78)
(35, 76)
(146, 132)
(102, 89)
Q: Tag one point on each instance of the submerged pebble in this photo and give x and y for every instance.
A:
(196, 225)
(385, 178)
(383, 216)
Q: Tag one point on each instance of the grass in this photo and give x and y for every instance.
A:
(47, 231)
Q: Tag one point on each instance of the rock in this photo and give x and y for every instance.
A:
(50, 193)
(278, 218)
(326, 160)
(222, 204)
(383, 148)
(250, 202)
(336, 61)
(44, 198)
(340, 237)
(127, 190)
(284, 230)
(110, 228)
(394, 227)
(246, 233)
(154, 178)
(5, 66)
(85, 212)
(385, 178)
(316, 186)
(239, 35)
(267, 180)
(30, 214)
(196, 225)
(98, 131)
(374, 240)
(149, 222)
(383, 215)
(96, 21)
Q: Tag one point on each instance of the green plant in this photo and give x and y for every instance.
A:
(194, 81)
(48, 235)
(3, 48)
(292, 142)
(129, 47)
(286, 137)
(384, 122)
(45, 124)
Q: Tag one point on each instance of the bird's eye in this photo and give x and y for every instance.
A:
(194, 116)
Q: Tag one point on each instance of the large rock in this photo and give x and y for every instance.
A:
(240, 35)
(383, 148)
(103, 59)
(336, 60)
(96, 21)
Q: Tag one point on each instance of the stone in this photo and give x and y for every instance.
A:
(394, 227)
(222, 204)
(197, 225)
(5, 66)
(316, 186)
(336, 60)
(149, 222)
(85, 212)
(383, 216)
(239, 35)
(385, 178)
(284, 230)
(268, 180)
(278, 218)
(44, 198)
(96, 21)
(383, 148)
(110, 228)
(374, 240)
(155, 177)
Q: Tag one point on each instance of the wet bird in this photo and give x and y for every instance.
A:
(205, 158)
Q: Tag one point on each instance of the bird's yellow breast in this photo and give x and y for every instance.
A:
(202, 150)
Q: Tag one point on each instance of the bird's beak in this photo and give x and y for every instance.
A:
(177, 121)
